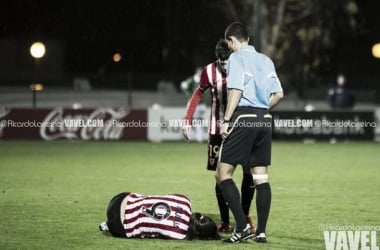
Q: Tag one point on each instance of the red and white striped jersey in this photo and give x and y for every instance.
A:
(157, 216)
(215, 80)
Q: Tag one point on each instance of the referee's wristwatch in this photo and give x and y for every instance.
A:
(226, 121)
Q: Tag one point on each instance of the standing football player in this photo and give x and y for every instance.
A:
(213, 78)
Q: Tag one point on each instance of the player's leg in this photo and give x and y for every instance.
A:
(247, 192)
(263, 200)
(214, 142)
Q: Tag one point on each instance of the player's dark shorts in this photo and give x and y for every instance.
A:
(214, 142)
(249, 143)
(113, 216)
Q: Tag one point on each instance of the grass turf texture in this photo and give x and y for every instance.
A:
(54, 194)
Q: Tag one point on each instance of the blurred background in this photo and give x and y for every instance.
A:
(121, 44)
(136, 53)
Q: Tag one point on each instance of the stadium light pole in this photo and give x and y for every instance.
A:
(256, 24)
(376, 54)
(117, 57)
(37, 51)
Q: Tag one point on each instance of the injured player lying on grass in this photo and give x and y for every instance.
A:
(132, 215)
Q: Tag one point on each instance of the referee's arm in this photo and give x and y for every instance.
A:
(275, 99)
(233, 99)
(234, 96)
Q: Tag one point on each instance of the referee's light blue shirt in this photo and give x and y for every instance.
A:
(254, 74)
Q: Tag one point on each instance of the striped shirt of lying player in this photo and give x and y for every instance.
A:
(132, 215)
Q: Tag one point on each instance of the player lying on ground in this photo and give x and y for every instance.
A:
(132, 215)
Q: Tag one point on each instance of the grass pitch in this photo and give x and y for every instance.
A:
(53, 195)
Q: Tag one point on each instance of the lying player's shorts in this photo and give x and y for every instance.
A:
(214, 142)
(249, 143)
(113, 215)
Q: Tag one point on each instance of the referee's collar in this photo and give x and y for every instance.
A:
(248, 48)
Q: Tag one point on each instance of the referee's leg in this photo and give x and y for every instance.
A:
(231, 194)
(263, 197)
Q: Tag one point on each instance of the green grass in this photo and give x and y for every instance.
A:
(53, 195)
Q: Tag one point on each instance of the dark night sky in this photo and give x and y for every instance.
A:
(91, 31)
(356, 50)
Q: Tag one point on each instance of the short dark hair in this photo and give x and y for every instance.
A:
(222, 52)
(237, 30)
(202, 228)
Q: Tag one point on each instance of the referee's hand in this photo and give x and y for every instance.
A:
(224, 133)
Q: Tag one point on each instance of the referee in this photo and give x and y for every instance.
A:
(253, 90)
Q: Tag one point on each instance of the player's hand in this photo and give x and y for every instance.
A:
(224, 132)
(186, 131)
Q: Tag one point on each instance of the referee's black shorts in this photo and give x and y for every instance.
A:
(249, 143)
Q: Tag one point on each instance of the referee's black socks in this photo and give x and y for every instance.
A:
(223, 207)
(232, 197)
(263, 201)
(247, 192)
